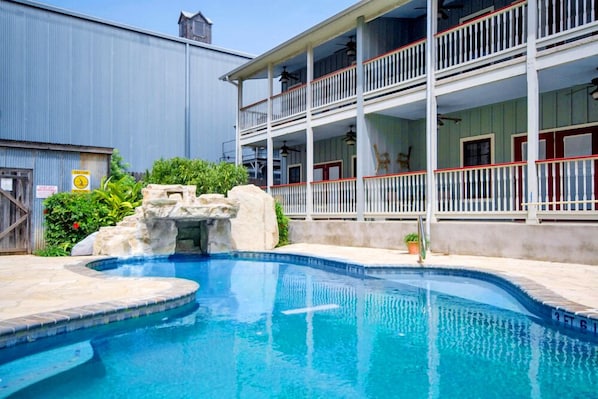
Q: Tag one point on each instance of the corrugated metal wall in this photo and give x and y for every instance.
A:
(51, 168)
(71, 80)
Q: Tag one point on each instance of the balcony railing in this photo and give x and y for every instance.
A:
(485, 36)
(399, 66)
(495, 37)
(253, 115)
(567, 190)
(393, 195)
(292, 197)
(334, 87)
(568, 186)
(334, 197)
(556, 16)
(494, 190)
(289, 103)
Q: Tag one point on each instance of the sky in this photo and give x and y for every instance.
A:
(249, 26)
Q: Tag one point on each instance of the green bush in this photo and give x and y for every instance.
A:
(283, 225)
(119, 197)
(208, 177)
(70, 217)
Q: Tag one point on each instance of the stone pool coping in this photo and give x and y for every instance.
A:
(564, 292)
(33, 283)
(102, 299)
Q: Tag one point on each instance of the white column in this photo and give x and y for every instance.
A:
(238, 149)
(533, 113)
(431, 112)
(309, 136)
(361, 131)
(269, 143)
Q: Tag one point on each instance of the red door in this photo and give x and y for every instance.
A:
(558, 183)
(545, 151)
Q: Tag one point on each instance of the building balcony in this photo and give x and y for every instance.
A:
(568, 190)
(468, 48)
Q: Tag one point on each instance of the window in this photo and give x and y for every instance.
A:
(199, 28)
(294, 174)
(477, 151)
(327, 171)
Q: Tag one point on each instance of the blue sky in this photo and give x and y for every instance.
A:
(250, 26)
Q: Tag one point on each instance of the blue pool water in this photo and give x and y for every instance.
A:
(265, 329)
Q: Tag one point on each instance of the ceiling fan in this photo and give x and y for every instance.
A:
(284, 150)
(593, 93)
(441, 118)
(286, 76)
(443, 9)
(350, 48)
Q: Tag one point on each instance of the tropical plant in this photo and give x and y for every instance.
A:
(120, 197)
(283, 225)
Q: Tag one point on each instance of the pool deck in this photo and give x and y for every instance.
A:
(47, 296)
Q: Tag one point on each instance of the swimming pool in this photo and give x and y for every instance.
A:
(274, 329)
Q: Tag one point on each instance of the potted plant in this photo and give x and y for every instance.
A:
(412, 241)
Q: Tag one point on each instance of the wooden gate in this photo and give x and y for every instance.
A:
(15, 206)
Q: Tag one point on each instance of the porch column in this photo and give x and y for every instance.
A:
(238, 148)
(309, 136)
(269, 144)
(533, 113)
(360, 122)
(431, 112)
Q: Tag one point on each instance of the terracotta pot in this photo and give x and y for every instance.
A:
(413, 247)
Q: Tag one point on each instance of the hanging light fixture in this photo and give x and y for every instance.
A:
(350, 137)
(594, 93)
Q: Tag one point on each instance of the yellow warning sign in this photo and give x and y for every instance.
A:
(80, 180)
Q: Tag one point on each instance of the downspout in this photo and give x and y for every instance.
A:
(431, 121)
(239, 86)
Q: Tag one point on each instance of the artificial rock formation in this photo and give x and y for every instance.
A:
(255, 228)
(172, 219)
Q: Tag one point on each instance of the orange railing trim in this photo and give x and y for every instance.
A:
(481, 17)
(397, 50)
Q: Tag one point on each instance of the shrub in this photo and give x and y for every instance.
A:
(119, 197)
(70, 217)
(283, 225)
(208, 177)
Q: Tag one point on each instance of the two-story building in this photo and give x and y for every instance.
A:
(480, 116)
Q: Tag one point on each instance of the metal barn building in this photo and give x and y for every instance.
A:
(73, 88)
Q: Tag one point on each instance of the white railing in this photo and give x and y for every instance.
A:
(401, 65)
(491, 189)
(292, 197)
(566, 185)
(488, 35)
(403, 193)
(334, 197)
(253, 115)
(334, 87)
(289, 103)
(555, 16)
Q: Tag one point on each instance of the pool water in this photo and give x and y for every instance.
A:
(264, 329)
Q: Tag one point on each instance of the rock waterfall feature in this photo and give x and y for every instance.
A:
(172, 219)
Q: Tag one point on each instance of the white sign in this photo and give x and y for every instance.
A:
(80, 181)
(45, 191)
(6, 184)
